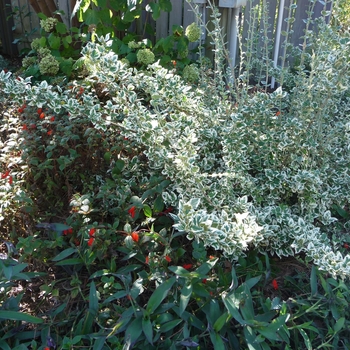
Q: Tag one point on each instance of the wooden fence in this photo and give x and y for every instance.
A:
(26, 22)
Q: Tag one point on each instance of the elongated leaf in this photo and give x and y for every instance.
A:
(67, 252)
(134, 330)
(221, 321)
(339, 324)
(233, 310)
(4, 345)
(118, 295)
(270, 331)
(73, 261)
(313, 281)
(147, 329)
(93, 300)
(99, 343)
(206, 267)
(159, 295)
(19, 316)
(185, 297)
(217, 341)
(166, 327)
(306, 339)
(250, 338)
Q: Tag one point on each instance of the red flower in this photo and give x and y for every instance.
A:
(91, 241)
(278, 113)
(24, 127)
(346, 246)
(147, 260)
(10, 180)
(135, 236)
(40, 110)
(5, 175)
(46, 348)
(50, 132)
(42, 115)
(20, 110)
(132, 211)
(274, 284)
(204, 281)
(92, 232)
(167, 258)
(187, 266)
(52, 119)
(77, 242)
(68, 231)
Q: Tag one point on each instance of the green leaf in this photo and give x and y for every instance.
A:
(180, 271)
(270, 331)
(67, 252)
(166, 327)
(158, 205)
(232, 308)
(147, 211)
(159, 295)
(313, 281)
(72, 261)
(221, 321)
(93, 300)
(118, 295)
(147, 328)
(250, 283)
(134, 330)
(155, 9)
(251, 339)
(206, 267)
(91, 17)
(339, 324)
(61, 28)
(19, 316)
(129, 268)
(165, 5)
(217, 341)
(185, 296)
(306, 339)
(54, 41)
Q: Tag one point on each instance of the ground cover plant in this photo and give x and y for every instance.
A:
(142, 210)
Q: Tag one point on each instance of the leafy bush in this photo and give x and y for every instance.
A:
(160, 210)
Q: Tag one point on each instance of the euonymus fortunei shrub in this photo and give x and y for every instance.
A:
(265, 171)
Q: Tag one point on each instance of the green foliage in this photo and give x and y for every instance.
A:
(54, 52)
(169, 215)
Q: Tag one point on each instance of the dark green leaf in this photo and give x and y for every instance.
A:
(159, 295)
(19, 316)
(54, 41)
(93, 300)
(186, 293)
(61, 28)
(67, 252)
(147, 329)
(73, 261)
(169, 325)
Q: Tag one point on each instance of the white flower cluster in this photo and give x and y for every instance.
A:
(48, 24)
(49, 65)
(193, 32)
(191, 73)
(145, 56)
(133, 45)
